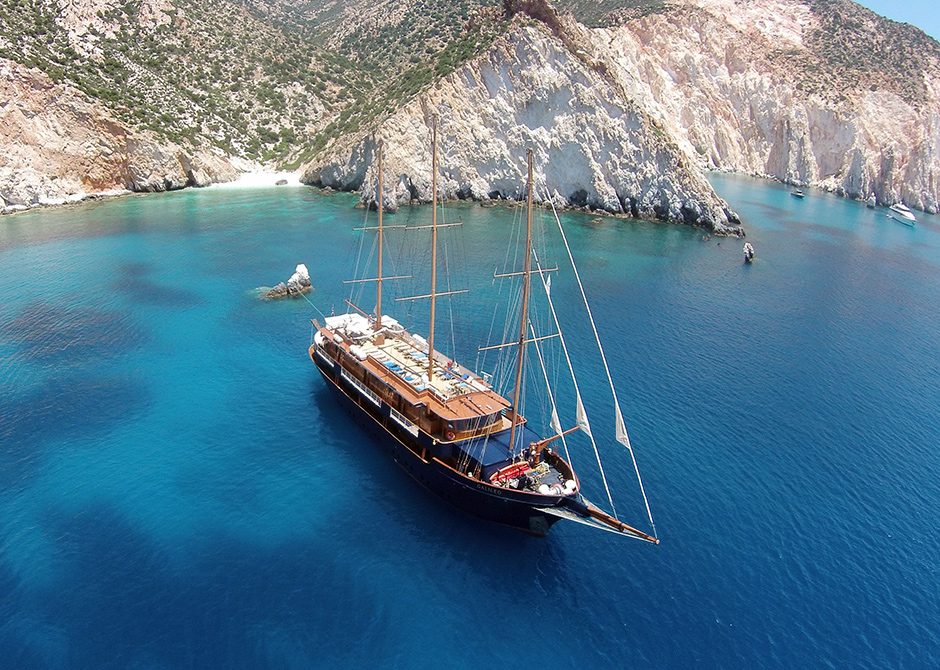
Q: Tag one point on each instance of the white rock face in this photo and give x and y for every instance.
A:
(707, 73)
(299, 280)
(59, 146)
(298, 284)
(593, 147)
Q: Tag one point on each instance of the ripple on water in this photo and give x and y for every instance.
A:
(62, 334)
(64, 410)
(135, 281)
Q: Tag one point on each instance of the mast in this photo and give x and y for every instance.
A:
(378, 283)
(433, 245)
(524, 317)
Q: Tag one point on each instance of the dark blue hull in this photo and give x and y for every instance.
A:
(418, 456)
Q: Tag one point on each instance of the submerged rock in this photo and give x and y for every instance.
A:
(298, 284)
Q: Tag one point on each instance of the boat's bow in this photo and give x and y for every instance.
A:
(581, 510)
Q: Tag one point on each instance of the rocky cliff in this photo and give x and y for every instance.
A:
(593, 146)
(60, 145)
(625, 108)
(818, 92)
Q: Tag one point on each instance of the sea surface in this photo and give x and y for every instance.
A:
(178, 488)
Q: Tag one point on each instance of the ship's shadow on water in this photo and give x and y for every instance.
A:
(214, 598)
(391, 498)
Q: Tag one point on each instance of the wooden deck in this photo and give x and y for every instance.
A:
(397, 358)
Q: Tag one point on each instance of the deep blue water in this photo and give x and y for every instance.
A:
(179, 490)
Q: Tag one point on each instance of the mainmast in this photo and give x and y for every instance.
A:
(378, 283)
(433, 246)
(524, 317)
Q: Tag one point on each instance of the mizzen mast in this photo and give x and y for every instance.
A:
(524, 317)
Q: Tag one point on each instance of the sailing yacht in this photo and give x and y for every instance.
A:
(444, 424)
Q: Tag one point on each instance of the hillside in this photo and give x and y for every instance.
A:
(818, 92)
(261, 79)
(60, 145)
(593, 147)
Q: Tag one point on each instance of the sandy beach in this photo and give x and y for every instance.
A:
(261, 179)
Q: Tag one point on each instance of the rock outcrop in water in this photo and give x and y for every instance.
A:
(593, 146)
(59, 146)
(298, 284)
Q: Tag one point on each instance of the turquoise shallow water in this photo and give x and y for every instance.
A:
(178, 489)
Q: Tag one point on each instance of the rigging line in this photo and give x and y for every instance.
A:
(361, 287)
(505, 359)
(520, 427)
(482, 363)
(551, 396)
(450, 303)
(447, 275)
(613, 391)
(352, 289)
(315, 307)
(574, 380)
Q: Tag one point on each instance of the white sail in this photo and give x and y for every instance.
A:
(620, 430)
(556, 424)
(582, 417)
(574, 381)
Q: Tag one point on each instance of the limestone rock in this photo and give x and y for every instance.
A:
(61, 146)
(724, 79)
(300, 280)
(279, 291)
(298, 284)
(593, 147)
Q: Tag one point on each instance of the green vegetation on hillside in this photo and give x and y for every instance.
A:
(855, 45)
(599, 13)
(265, 79)
(279, 80)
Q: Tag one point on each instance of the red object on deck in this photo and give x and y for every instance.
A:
(510, 472)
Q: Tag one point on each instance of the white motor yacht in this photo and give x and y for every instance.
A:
(902, 213)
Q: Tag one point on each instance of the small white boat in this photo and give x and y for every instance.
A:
(748, 253)
(871, 202)
(798, 194)
(903, 214)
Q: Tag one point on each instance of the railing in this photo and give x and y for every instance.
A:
(404, 422)
(326, 359)
(371, 395)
